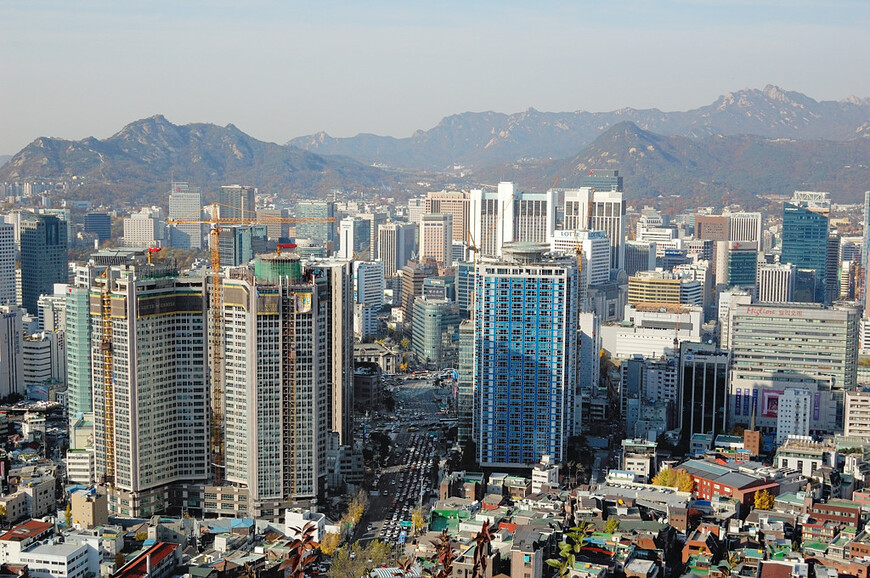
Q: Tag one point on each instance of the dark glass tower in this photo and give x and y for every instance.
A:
(43, 258)
(805, 237)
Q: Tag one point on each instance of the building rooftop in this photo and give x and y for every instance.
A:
(138, 568)
(28, 530)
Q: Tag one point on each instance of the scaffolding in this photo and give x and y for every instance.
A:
(108, 381)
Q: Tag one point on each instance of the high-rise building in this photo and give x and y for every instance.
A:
(433, 330)
(454, 203)
(52, 309)
(43, 258)
(745, 227)
(237, 202)
(11, 367)
(436, 233)
(465, 383)
(319, 228)
(355, 239)
(794, 415)
(703, 386)
(660, 287)
(805, 236)
(864, 246)
(507, 215)
(144, 228)
(7, 264)
(464, 287)
(281, 350)
(239, 243)
(416, 208)
(832, 268)
(43, 358)
(185, 204)
(603, 180)
(639, 256)
(526, 344)
(776, 282)
(369, 283)
(271, 219)
(413, 276)
(396, 246)
(598, 210)
(796, 337)
(149, 352)
(857, 420)
(736, 264)
(100, 224)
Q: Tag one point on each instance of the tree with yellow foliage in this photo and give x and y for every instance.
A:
(763, 500)
(673, 478)
(329, 543)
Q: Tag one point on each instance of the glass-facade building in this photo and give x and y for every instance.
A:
(805, 241)
(526, 347)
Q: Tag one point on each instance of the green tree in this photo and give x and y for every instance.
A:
(763, 500)
(612, 525)
(569, 548)
(354, 561)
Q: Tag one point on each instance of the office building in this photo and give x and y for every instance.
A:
(320, 226)
(355, 239)
(525, 355)
(703, 399)
(728, 301)
(43, 360)
(51, 315)
(99, 224)
(43, 258)
(272, 220)
(369, 283)
(413, 276)
(396, 246)
(237, 202)
(639, 256)
(832, 268)
(736, 264)
(239, 243)
(507, 215)
(144, 228)
(805, 238)
(745, 227)
(464, 287)
(185, 204)
(416, 208)
(454, 203)
(866, 244)
(653, 330)
(149, 351)
(776, 283)
(465, 383)
(603, 180)
(661, 287)
(11, 367)
(434, 337)
(436, 234)
(7, 264)
(599, 210)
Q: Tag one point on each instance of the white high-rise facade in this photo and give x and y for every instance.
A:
(7, 264)
(508, 215)
(776, 282)
(795, 414)
(355, 239)
(586, 208)
(149, 351)
(369, 283)
(744, 227)
(396, 244)
(185, 204)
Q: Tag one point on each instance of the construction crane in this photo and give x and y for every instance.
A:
(217, 433)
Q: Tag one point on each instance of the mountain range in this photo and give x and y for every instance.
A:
(136, 164)
(478, 139)
(745, 144)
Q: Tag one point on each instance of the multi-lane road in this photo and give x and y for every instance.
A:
(411, 471)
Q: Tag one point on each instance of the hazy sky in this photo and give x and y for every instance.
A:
(280, 69)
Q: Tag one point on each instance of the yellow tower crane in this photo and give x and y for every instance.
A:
(217, 441)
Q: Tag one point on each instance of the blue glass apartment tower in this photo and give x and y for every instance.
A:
(526, 344)
(805, 239)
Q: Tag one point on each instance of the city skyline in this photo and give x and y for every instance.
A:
(280, 71)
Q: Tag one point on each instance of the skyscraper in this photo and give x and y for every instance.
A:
(776, 283)
(149, 351)
(805, 236)
(703, 390)
(526, 344)
(599, 210)
(239, 243)
(603, 180)
(43, 258)
(282, 354)
(185, 203)
(436, 233)
(11, 367)
(321, 229)
(396, 245)
(864, 247)
(100, 224)
(355, 239)
(237, 202)
(508, 215)
(454, 203)
(7, 264)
